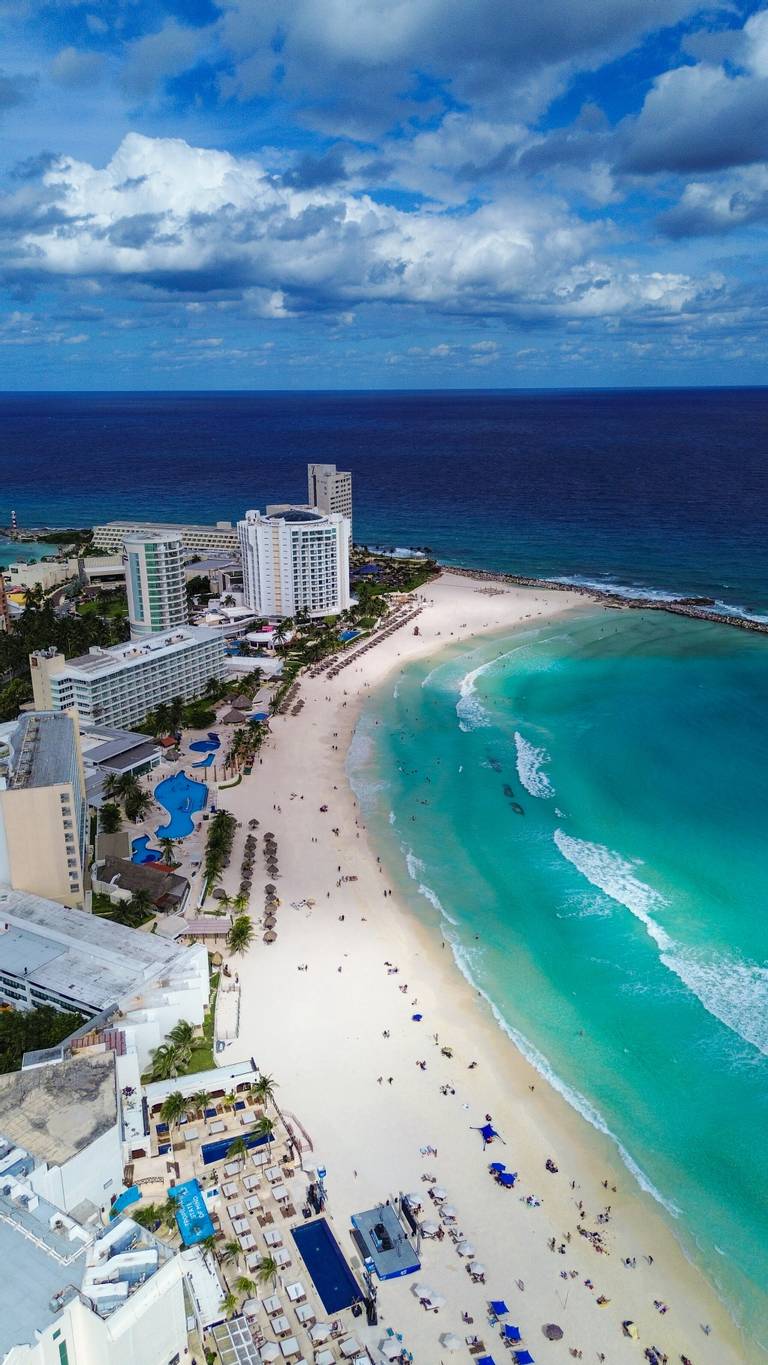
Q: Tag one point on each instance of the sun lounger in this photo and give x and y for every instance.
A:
(229, 1188)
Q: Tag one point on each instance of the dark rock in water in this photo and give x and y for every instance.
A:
(516, 807)
(494, 762)
(508, 791)
(695, 601)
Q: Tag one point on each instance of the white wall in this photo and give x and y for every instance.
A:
(96, 1174)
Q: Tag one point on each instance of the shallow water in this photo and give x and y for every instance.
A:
(618, 923)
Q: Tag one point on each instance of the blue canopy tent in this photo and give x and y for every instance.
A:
(485, 1360)
(498, 1307)
(488, 1133)
(507, 1179)
(523, 1358)
(417, 1018)
(510, 1332)
(498, 1166)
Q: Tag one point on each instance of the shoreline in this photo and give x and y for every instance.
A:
(323, 1037)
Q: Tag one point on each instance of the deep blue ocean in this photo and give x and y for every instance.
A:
(659, 489)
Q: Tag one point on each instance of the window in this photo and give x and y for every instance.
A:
(63, 1353)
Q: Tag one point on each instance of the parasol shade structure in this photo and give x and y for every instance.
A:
(552, 1332)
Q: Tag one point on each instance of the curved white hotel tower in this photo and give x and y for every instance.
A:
(295, 559)
(154, 577)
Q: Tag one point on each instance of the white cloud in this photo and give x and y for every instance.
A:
(190, 221)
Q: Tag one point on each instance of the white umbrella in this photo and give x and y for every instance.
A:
(414, 1200)
(320, 1332)
(448, 1211)
(422, 1291)
(430, 1229)
(391, 1348)
(450, 1341)
(270, 1351)
(477, 1268)
(438, 1192)
(436, 1300)
(465, 1249)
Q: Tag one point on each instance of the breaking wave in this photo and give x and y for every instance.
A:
(530, 762)
(733, 991)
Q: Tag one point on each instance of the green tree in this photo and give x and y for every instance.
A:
(110, 818)
(173, 1108)
(141, 903)
(264, 1128)
(137, 805)
(162, 719)
(245, 1286)
(168, 1062)
(237, 1149)
(268, 1271)
(230, 1252)
(27, 1030)
(112, 786)
(241, 935)
(200, 1100)
(229, 1304)
(263, 1089)
(168, 847)
(182, 1034)
(176, 713)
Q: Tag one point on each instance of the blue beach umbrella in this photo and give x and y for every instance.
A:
(511, 1333)
(523, 1357)
(417, 1018)
(497, 1166)
(498, 1307)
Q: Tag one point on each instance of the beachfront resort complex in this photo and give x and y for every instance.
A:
(248, 1111)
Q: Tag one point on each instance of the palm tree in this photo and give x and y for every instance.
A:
(268, 1271)
(229, 1099)
(208, 1246)
(237, 1148)
(240, 902)
(264, 1089)
(176, 712)
(141, 902)
(173, 1108)
(229, 1304)
(200, 1100)
(168, 1061)
(241, 934)
(137, 804)
(230, 1252)
(169, 849)
(265, 1128)
(182, 1034)
(112, 786)
(245, 1286)
(161, 721)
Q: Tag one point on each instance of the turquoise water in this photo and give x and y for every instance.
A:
(182, 797)
(618, 924)
(142, 853)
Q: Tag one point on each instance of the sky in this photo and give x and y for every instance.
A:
(345, 194)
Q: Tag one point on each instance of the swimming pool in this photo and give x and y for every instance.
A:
(204, 762)
(325, 1262)
(204, 746)
(192, 1216)
(142, 853)
(181, 797)
(217, 1151)
(346, 635)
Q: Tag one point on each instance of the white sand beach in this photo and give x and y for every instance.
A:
(340, 1041)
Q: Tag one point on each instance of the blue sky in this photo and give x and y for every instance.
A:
(358, 194)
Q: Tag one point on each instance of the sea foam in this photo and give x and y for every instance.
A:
(471, 713)
(730, 989)
(530, 769)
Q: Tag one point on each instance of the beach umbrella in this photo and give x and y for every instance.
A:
(414, 1200)
(498, 1307)
(218, 893)
(269, 889)
(476, 1268)
(269, 834)
(450, 1342)
(391, 1348)
(270, 936)
(269, 1351)
(430, 1229)
(465, 1249)
(448, 1211)
(269, 921)
(422, 1291)
(439, 1193)
(497, 1166)
(436, 1300)
(552, 1332)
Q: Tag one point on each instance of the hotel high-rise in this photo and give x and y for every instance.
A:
(154, 577)
(295, 559)
(330, 490)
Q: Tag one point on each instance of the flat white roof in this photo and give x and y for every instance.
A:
(221, 1077)
(79, 956)
(134, 653)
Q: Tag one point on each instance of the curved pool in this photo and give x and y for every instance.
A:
(142, 853)
(182, 797)
(204, 746)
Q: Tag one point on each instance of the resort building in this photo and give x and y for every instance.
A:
(51, 955)
(79, 1296)
(60, 1132)
(330, 490)
(120, 685)
(40, 574)
(43, 810)
(295, 559)
(155, 583)
(201, 539)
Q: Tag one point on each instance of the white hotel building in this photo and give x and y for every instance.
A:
(155, 583)
(120, 685)
(295, 559)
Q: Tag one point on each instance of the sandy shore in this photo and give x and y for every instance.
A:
(321, 1034)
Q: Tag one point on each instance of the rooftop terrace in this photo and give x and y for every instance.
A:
(42, 746)
(54, 1111)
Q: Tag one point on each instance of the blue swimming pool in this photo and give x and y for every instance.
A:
(325, 1262)
(204, 762)
(217, 1151)
(181, 796)
(204, 746)
(192, 1216)
(142, 853)
(346, 635)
